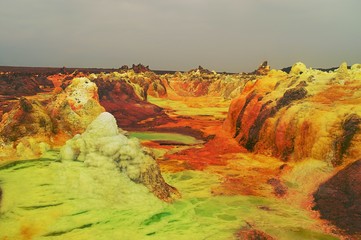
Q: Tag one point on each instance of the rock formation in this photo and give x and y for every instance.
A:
(124, 68)
(339, 199)
(32, 125)
(124, 93)
(25, 130)
(263, 69)
(22, 84)
(28, 118)
(304, 114)
(298, 68)
(140, 68)
(126, 100)
(151, 83)
(204, 83)
(136, 68)
(73, 109)
(103, 145)
(69, 111)
(200, 70)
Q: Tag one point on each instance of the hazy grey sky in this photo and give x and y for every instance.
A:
(224, 35)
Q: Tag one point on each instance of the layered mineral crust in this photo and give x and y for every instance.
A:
(304, 114)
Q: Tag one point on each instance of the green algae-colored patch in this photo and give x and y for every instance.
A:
(156, 218)
(166, 137)
(100, 203)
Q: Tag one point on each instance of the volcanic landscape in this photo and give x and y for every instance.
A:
(132, 153)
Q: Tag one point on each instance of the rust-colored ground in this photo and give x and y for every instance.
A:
(241, 172)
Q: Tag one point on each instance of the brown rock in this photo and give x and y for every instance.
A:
(279, 188)
(201, 70)
(350, 127)
(154, 181)
(23, 84)
(263, 69)
(140, 68)
(124, 68)
(339, 199)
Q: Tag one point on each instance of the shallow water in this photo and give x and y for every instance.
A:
(46, 199)
(174, 138)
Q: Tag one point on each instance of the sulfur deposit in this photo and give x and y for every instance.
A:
(304, 114)
(102, 145)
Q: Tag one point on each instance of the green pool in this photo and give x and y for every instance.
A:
(166, 137)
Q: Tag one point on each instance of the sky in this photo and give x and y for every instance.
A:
(221, 35)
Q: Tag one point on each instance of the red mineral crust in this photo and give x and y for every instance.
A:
(129, 108)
